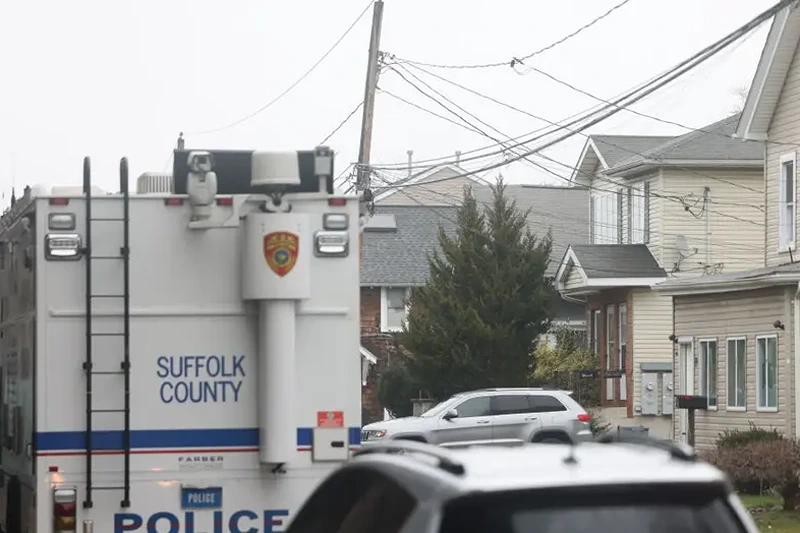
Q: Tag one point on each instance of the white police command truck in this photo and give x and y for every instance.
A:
(180, 359)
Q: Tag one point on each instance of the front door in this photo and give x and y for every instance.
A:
(686, 361)
(473, 423)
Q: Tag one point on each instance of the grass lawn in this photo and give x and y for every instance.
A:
(767, 513)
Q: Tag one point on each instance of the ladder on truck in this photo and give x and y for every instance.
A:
(125, 365)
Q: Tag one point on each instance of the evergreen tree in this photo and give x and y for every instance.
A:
(475, 323)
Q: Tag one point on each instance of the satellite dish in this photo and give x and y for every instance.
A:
(683, 247)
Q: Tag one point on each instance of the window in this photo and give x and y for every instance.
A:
(545, 404)
(787, 216)
(623, 334)
(639, 213)
(474, 407)
(510, 405)
(597, 321)
(609, 336)
(606, 215)
(737, 368)
(767, 373)
(394, 308)
(708, 371)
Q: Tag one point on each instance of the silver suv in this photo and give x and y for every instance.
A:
(411, 487)
(491, 416)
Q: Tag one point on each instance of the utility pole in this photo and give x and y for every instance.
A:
(363, 172)
(363, 182)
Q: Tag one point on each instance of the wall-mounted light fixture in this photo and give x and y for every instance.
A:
(778, 325)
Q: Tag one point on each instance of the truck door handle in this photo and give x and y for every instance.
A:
(532, 418)
(483, 421)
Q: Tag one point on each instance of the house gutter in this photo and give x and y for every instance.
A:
(796, 355)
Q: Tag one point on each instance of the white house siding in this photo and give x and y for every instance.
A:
(784, 128)
(431, 190)
(574, 279)
(652, 326)
(729, 231)
(737, 314)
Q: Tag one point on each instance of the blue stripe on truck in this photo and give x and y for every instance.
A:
(169, 438)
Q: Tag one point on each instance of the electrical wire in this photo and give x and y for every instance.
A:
(290, 87)
(342, 123)
(680, 69)
(516, 60)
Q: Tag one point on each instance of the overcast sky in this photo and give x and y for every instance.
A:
(107, 79)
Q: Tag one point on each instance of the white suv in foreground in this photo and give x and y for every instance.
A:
(411, 487)
(491, 416)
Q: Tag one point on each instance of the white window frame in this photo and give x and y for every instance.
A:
(638, 217)
(597, 332)
(702, 371)
(763, 408)
(385, 309)
(784, 243)
(606, 216)
(728, 395)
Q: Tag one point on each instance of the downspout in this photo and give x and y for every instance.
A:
(796, 355)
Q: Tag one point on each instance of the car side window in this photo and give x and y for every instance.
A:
(545, 403)
(473, 407)
(512, 404)
(355, 501)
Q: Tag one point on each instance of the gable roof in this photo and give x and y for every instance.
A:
(608, 150)
(608, 266)
(419, 177)
(765, 89)
(399, 257)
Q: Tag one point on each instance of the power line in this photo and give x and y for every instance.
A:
(680, 69)
(342, 123)
(516, 60)
(605, 141)
(292, 86)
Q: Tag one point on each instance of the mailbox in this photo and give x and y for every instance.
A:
(684, 401)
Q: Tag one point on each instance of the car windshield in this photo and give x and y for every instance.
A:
(622, 511)
(438, 408)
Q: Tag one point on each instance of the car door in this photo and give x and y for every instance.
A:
(472, 424)
(513, 419)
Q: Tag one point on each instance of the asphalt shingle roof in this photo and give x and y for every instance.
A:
(616, 148)
(400, 257)
(617, 261)
(714, 142)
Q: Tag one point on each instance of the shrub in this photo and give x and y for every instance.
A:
(737, 438)
(760, 465)
(598, 424)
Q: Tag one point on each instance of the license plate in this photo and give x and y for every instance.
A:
(201, 498)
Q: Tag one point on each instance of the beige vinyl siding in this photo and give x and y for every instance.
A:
(432, 191)
(732, 235)
(739, 314)
(574, 278)
(652, 326)
(784, 128)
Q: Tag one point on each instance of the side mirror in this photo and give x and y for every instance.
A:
(451, 414)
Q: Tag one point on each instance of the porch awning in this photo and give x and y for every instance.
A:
(589, 268)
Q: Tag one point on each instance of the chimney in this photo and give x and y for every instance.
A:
(410, 156)
(458, 156)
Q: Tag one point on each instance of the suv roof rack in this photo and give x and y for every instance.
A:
(675, 450)
(512, 389)
(446, 461)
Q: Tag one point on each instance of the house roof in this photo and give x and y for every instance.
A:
(610, 265)
(399, 256)
(608, 150)
(713, 144)
(418, 177)
(787, 274)
(773, 67)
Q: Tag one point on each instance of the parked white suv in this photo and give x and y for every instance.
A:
(491, 416)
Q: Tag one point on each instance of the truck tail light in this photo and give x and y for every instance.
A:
(227, 200)
(62, 246)
(64, 510)
(337, 201)
(59, 201)
(173, 201)
(335, 221)
(584, 418)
